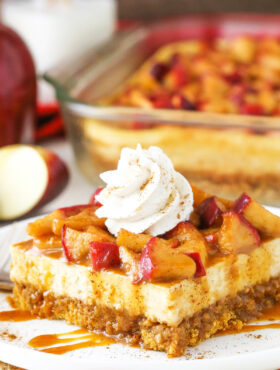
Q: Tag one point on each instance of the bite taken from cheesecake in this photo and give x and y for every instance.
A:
(151, 260)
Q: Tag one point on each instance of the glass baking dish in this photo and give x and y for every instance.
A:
(224, 154)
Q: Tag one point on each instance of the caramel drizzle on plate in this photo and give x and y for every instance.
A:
(85, 338)
(82, 338)
(16, 316)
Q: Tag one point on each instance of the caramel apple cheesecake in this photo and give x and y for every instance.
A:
(231, 81)
(151, 260)
(237, 76)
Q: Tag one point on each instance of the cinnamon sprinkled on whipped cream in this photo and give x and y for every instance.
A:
(144, 193)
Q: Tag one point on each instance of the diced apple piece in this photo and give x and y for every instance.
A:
(73, 210)
(104, 255)
(191, 239)
(130, 263)
(161, 262)
(257, 215)
(93, 201)
(210, 211)
(200, 270)
(211, 237)
(199, 196)
(100, 235)
(30, 176)
(43, 226)
(252, 109)
(194, 218)
(237, 235)
(80, 221)
(135, 242)
(159, 70)
(75, 243)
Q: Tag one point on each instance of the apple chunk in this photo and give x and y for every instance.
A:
(104, 255)
(76, 243)
(135, 242)
(261, 218)
(30, 176)
(84, 217)
(237, 235)
(191, 239)
(210, 212)
(199, 196)
(159, 261)
(200, 269)
(130, 264)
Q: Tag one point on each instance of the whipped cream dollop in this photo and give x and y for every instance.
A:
(144, 193)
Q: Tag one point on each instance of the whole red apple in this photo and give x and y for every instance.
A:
(17, 89)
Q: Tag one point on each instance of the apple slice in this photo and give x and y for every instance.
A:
(75, 243)
(199, 196)
(130, 264)
(159, 261)
(200, 270)
(73, 210)
(191, 239)
(210, 212)
(135, 242)
(159, 70)
(104, 255)
(237, 235)
(30, 176)
(257, 215)
(43, 226)
(211, 237)
(79, 220)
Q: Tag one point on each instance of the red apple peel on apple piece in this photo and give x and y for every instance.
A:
(104, 255)
(263, 220)
(73, 210)
(30, 176)
(200, 270)
(93, 201)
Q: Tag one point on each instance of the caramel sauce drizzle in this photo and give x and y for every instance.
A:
(86, 338)
(247, 329)
(82, 338)
(16, 316)
(51, 343)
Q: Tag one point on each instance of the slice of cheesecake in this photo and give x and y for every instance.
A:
(151, 259)
(216, 271)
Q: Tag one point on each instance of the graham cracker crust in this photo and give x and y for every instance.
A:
(230, 313)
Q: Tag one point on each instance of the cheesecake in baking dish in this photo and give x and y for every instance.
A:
(237, 76)
(152, 259)
(234, 81)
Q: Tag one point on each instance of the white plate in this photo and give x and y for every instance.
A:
(256, 350)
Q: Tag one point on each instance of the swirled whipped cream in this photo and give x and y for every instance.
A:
(144, 193)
